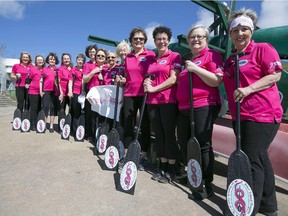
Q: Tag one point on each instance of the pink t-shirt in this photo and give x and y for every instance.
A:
(260, 59)
(161, 69)
(23, 70)
(35, 75)
(110, 74)
(64, 74)
(49, 79)
(77, 88)
(203, 95)
(135, 69)
(94, 81)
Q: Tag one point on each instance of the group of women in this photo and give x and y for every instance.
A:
(168, 90)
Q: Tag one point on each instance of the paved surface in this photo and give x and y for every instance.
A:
(40, 174)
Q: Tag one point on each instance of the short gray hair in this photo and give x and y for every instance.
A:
(243, 12)
(207, 31)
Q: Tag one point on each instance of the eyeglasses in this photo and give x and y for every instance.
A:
(111, 57)
(161, 39)
(138, 38)
(101, 56)
(198, 37)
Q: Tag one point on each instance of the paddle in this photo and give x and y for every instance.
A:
(101, 136)
(68, 118)
(16, 125)
(128, 176)
(25, 123)
(80, 127)
(194, 161)
(61, 111)
(41, 123)
(112, 155)
(240, 197)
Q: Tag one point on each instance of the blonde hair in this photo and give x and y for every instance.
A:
(207, 31)
(123, 45)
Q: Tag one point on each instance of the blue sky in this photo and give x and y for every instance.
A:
(64, 26)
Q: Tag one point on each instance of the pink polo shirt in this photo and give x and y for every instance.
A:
(110, 74)
(260, 59)
(78, 80)
(203, 95)
(64, 74)
(35, 75)
(49, 79)
(135, 69)
(94, 81)
(161, 69)
(23, 70)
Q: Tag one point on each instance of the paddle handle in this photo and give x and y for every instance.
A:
(117, 97)
(192, 123)
(143, 107)
(237, 81)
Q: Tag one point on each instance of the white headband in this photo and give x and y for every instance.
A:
(243, 21)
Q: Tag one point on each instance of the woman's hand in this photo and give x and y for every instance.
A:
(148, 85)
(191, 66)
(70, 94)
(61, 98)
(240, 93)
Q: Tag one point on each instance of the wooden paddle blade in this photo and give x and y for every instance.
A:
(112, 153)
(239, 167)
(128, 176)
(194, 165)
(41, 124)
(67, 128)
(25, 123)
(101, 144)
(61, 119)
(80, 129)
(16, 125)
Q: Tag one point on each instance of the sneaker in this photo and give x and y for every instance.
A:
(198, 196)
(143, 164)
(156, 176)
(120, 165)
(166, 178)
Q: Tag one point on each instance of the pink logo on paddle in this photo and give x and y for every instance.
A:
(194, 173)
(111, 157)
(16, 123)
(240, 198)
(80, 132)
(128, 175)
(40, 126)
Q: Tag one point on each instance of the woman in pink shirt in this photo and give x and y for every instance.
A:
(93, 75)
(260, 110)
(34, 90)
(19, 73)
(64, 74)
(205, 66)
(78, 89)
(136, 66)
(51, 94)
(162, 102)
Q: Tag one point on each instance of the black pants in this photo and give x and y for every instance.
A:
(90, 120)
(35, 105)
(131, 106)
(21, 98)
(163, 118)
(255, 140)
(50, 103)
(204, 118)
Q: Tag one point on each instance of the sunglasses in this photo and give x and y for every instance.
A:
(101, 56)
(138, 38)
(111, 57)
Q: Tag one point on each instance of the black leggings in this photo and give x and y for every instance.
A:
(50, 103)
(35, 105)
(131, 106)
(163, 119)
(21, 98)
(204, 118)
(255, 140)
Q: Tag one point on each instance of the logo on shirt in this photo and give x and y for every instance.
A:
(177, 65)
(163, 62)
(275, 64)
(243, 62)
(198, 63)
(142, 59)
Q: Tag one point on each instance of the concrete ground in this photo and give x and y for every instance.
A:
(40, 174)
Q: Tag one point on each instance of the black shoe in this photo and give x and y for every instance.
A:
(143, 164)
(33, 128)
(51, 130)
(275, 213)
(167, 178)
(156, 176)
(198, 196)
(120, 165)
